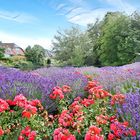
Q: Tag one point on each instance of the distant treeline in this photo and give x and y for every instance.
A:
(113, 41)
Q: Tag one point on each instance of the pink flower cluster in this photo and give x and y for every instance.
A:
(96, 90)
(58, 92)
(74, 116)
(30, 107)
(118, 98)
(94, 133)
(62, 134)
(27, 134)
(3, 105)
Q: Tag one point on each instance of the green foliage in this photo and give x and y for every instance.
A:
(28, 53)
(6, 62)
(94, 32)
(36, 55)
(117, 44)
(128, 87)
(24, 65)
(1, 53)
(13, 123)
(70, 47)
(113, 41)
(77, 59)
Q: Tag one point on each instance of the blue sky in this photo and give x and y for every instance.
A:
(29, 22)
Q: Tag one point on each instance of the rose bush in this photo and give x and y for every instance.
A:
(92, 117)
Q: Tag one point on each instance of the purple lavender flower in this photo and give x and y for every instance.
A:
(130, 111)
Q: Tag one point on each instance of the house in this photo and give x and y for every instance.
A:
(11, 49)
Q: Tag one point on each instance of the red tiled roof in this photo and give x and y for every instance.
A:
(12, 49)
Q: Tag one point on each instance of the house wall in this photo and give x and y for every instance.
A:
(12, 49)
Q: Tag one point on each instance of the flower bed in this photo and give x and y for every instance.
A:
(93, 117)
(33, 85)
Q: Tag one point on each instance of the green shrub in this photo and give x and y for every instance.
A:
(24, 65)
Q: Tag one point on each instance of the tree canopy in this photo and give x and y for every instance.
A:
(36, 54)
(115, 40)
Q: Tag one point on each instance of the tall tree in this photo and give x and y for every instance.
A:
(135, 26)
(36, 54)
(28, 53)
(117, 40)
(94, 32)
(70, 46)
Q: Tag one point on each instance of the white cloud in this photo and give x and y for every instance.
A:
(82, 14)
(17, 17)
(79, 2)
(121, 5)
(75, 12)
(86, 16)
(25, 41)
(60, 6)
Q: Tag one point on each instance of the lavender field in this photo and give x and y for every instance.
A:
(39, 84)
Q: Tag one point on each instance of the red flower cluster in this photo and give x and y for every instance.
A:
(35, 102)
(118, 129)
(74, 116)
(11, 103)
(94, 133)
(3, 105)
(1, 131)
(62, 134)
(66, 88)
(57, 93)
(28, 111)
(101, 119)
(117, 98)
(87, 102)
(66, 118)
(95, 90)
(27, 134)
(98, 92)
(76, 106)
(91, 84)
(20, 100)
(30, 107)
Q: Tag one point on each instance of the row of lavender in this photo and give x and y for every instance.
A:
(34, 85)
(122, 79)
